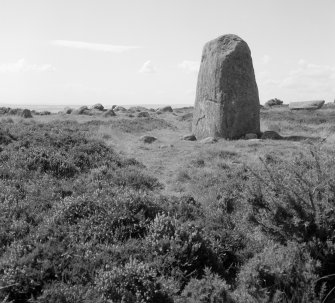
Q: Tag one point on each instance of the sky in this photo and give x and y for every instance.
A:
(81, 52)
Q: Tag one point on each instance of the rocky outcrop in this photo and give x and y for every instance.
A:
(227, 101)
(143, 115)
(109, 113)
(273, 102)
(165, 109)
(306, 105)
(81, 110)
(98, 106)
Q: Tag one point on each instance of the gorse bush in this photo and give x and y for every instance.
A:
(278, 274)
(81, 223)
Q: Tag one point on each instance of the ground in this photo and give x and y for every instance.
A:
(179, 164)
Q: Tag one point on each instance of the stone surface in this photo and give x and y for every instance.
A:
(134, 109)
(143, 115)
(208, 140)
(109, 113)
(165, 109)
(227, 101)
(250, 136)
(80, 111)
(98, 106)
(189, 137)
(271, 135)
(68, 110)
(306, 105)
(120, 109)
(273, 102)
(26, 113)
(147, 139)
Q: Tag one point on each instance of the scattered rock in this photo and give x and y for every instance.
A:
(45, 113)
(271, 135)
(14, 111)
(81, 110)
(227, 102)
(109, 113)
(147, 139)
(143, 115)
(98, 106)
(165, 109)
(273, 102)
(4, 110)
(189, 137)
(208, 140)
(114, 106)
(120, 109)
(250, 136)
(68, 110)
(186, 117)
(134, 109)
(26, 113)
(317, 104)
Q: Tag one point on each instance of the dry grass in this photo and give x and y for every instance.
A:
(192, 168)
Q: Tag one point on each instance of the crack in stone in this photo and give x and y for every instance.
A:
(214, 101)
(200, 119)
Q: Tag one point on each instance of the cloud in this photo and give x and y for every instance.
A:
(190, 66)
(266, 59)
(93, 46)
(305, 81)
(148, 68)
(310, 77)
(21, 66)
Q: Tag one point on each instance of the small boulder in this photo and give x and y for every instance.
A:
(4, 110)
(68, 110)
(273, 102)
(143, 115)
(250, 136)
(114, 106)
(134, 109)
(208, 140)
(120, 109)
(81, 110)
(165, 109)
(109, 113)
(26, 113)
(147, 139)
(271, 135)
(189, 137)
(45, 113)
(185, 117)
(306, 105)
(98, 106)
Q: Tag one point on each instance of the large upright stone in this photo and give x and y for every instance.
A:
(227, 101)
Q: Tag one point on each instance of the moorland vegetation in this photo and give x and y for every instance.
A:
(88, 213)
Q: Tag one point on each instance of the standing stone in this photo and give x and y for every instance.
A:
(227, 101)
